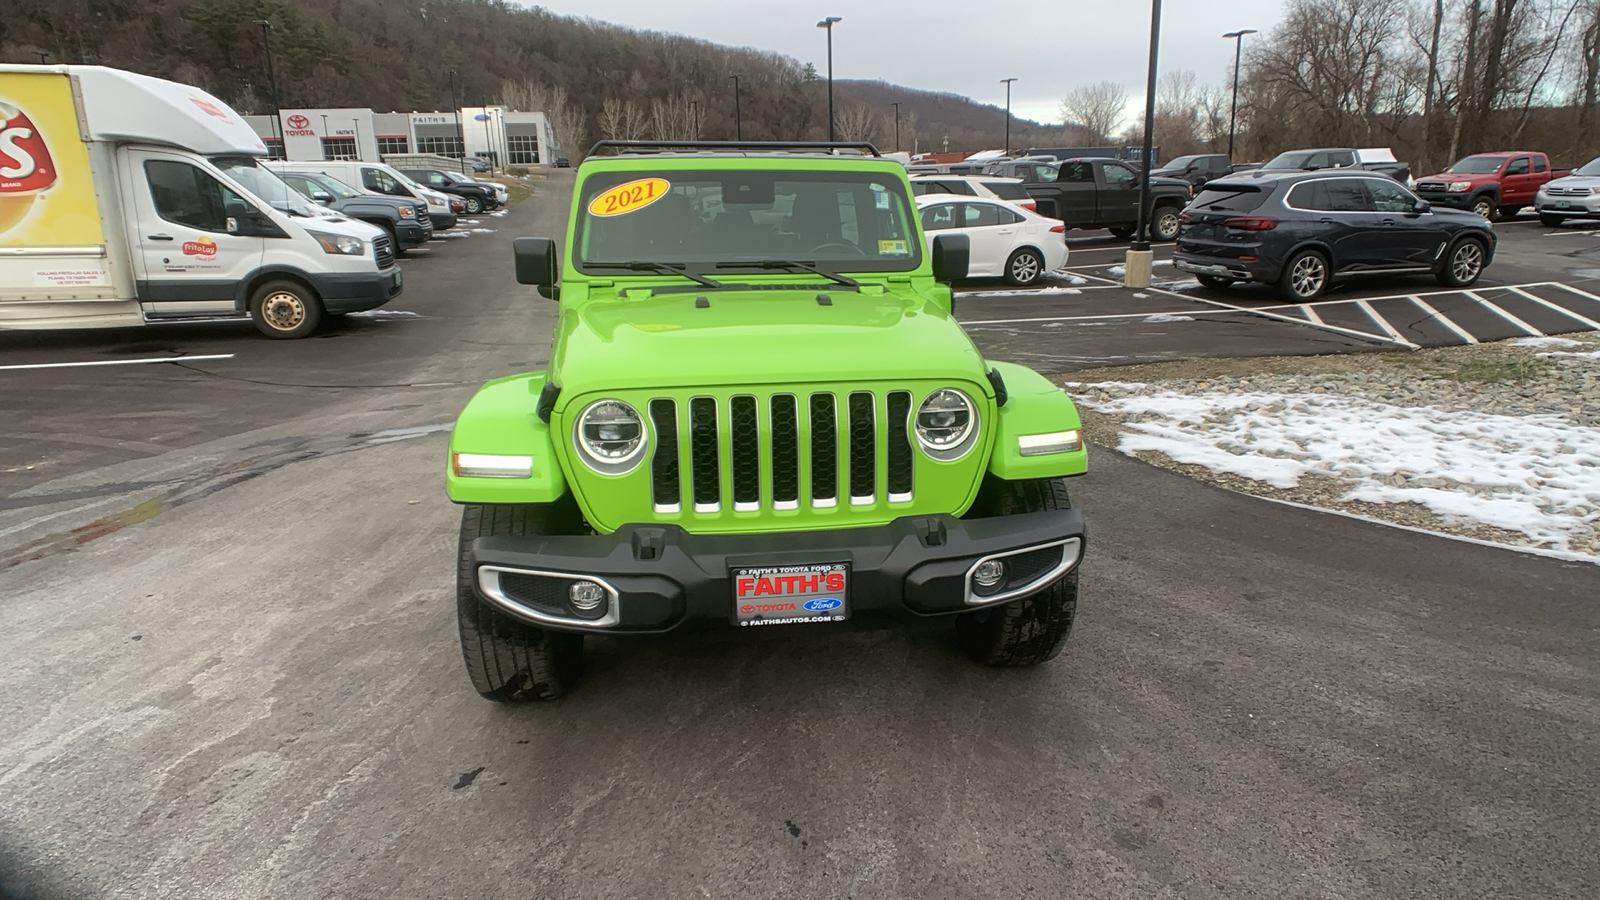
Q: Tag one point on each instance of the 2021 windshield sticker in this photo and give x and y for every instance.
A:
(630, 197)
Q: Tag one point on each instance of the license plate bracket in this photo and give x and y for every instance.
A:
(794, 594)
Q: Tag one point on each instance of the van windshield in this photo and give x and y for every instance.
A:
(705, 219)
(265, 185)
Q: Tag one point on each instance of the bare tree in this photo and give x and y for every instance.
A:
(857, 122)
(1096, 107)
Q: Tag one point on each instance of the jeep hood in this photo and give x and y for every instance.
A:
(751, 337)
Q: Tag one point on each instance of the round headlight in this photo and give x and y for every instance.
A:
(945, 420)
(611, 434)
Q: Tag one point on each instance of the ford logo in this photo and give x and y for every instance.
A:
(822, 604)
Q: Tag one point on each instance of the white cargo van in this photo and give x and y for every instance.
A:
(377, 178)
(126, 199)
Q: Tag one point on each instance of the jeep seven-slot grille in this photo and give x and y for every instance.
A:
(780, 459)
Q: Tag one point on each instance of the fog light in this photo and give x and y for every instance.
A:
(988, 575)
(586, 596)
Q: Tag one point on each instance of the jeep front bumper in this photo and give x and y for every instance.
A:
(655, 577)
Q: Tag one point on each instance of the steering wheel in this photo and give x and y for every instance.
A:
(850, 249)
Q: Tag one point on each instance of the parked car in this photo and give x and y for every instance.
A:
(476, 198)
(1197, 169)
(502, 194)
(1575, 195)
(480, 164)
(1007, 242)
(1373, 160)
(407, 223)
(1301, 231)
(563, 163)
(377, 178)
(1491, 184)
(995, 187)
(1099, 193)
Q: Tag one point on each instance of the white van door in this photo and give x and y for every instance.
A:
(186, 262)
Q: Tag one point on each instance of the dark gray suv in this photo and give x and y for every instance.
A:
(1303, 230)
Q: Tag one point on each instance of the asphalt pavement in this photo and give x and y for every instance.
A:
(229, 668)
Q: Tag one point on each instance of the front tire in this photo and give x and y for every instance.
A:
(1550, 221)
(508, 659)
(1463, 264)
(1033, 629)
(1024, 267)
(285, 310)
(1164, 224)
(474, 206)
(1214, 281)
(1484, 206)
(1305, 276)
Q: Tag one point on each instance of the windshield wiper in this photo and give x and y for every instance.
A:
(791, 265)
(662, 268)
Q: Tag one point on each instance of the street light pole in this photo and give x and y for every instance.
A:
(896, 105)
(272, 82)
(1007, 83)
(1136, 271)
(827, 24)
(461, 136)
(488, 142)
(738, 126)
(1238, 50)
(694, 120)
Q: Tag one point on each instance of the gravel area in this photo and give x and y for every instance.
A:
(1497, 442)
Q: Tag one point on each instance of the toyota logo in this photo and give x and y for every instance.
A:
(298, 121)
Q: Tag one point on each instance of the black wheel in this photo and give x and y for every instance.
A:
(507, 658)
(285, 310)
(1463, 263)
(1164, 223)
(1024, 267)
(1507, 212)
(1550, 221)
(474, 206)
(1033, 629)
(1214, 281)
(1484, 206)
(1305, 276)
(1123, 232)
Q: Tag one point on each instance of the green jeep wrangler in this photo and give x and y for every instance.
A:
(759, 409)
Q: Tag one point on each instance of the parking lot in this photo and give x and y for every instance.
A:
(231, 669)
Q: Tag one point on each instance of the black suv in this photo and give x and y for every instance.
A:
(478, 197)
(1302, 230)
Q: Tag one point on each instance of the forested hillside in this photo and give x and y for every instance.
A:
(598, 80)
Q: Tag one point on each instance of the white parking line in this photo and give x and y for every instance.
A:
(119, 362)
(1312, 314)
(1442, 319)
(1560, 309)
(1380, 320)
(1505, 315)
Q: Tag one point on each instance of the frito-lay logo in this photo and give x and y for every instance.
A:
(25, 165)
(203, 247)
(209, 108)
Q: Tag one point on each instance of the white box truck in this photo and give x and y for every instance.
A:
(127, 200)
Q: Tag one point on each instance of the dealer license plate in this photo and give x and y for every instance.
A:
(791, 595)
(1563, 204)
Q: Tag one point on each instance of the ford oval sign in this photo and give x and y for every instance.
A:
(822, 604)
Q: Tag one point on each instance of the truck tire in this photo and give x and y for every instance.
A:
(474, 206)
(1305, 276)
(285, 310)
(1123, 232)
(1507, 212)
(1164, 223)
(1463, 263)
(1484, 206)
(507, 658)
(1550, 221)
(1032, 629)
(1024, 267)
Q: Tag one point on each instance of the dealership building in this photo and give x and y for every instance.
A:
(508, 136)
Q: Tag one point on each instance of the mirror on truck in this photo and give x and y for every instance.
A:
(322, 197)
(536, 264)
(951, 254)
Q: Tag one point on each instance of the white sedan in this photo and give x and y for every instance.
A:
(1007, 242)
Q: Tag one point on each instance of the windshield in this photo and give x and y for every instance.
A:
(335, 187)
(850, 221)
(457, 177)
(1592, 167)
(1478, 165)
(1288, 161)
(1182, 162)
(265, 184)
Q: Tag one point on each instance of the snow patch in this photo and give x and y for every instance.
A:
(385, 314)
(1545, 342)
(1117, 270)
(1165, 317)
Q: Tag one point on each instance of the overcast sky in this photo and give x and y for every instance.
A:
(963, 46)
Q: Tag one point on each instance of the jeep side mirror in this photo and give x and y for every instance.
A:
(951, 254)
(536, 264)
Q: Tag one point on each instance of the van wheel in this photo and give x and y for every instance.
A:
(1484, 206)
(1024, 267)
(285, 310)
(1305, 276)
(1164, 224)
(1462, 264)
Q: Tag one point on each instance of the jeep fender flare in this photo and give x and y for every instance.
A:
(500, 419)
(1033, 406)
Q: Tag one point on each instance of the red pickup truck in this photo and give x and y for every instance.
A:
(1490, 184)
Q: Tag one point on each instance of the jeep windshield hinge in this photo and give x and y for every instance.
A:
(547, 400)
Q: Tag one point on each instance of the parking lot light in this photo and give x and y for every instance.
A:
(827, 24)
(1136, 269)
(1007, 83)
(1233, 114)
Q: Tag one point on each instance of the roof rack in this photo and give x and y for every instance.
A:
(660, 146)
